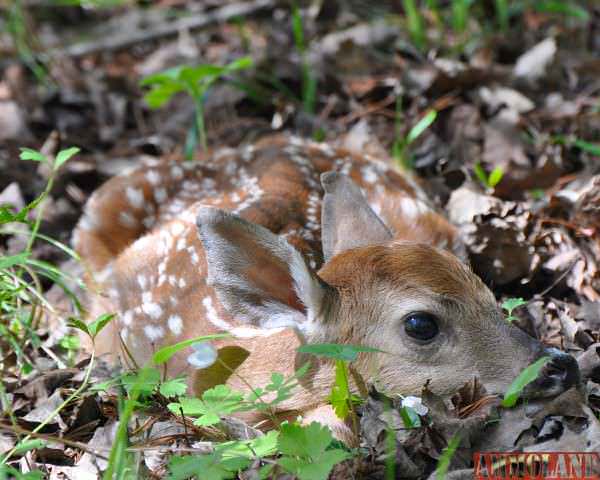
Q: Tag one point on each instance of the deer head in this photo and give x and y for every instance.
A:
(433, 318)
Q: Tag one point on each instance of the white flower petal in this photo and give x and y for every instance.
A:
(416, 404)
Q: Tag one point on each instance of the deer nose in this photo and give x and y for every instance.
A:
(562, 369)
(556, 377)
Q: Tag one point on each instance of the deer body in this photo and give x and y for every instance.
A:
(234, 243)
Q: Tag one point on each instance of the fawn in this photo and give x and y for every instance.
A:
(290, 241)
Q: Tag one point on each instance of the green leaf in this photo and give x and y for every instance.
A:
(528, 375)
(215, 402)
(446, 457)
(510, 304)
(495, 177)
(206, 73)
(563, 7)
(33, 155)
(480, 174)
(174, 387)
(206, 467)
(168, 76)
(591, 148)
(64, 155)
(317, 470)
(95, 327)
(259, 447)
(70, 342)
(27, 445)
(336, 351)
(305, 451)
(422, 125)
(282, 387)
(410, 418)
(161, 94)
(165, 353)
(11, 261)
(340, 396)
(145, 381)
(298, 29)
(78, 324)
(240, 64)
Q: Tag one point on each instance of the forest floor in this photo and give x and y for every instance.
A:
(494, 106)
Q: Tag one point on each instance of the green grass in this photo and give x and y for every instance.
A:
(196, 82)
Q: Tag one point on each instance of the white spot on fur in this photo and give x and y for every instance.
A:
(369, 174)
(135, 197)
(127, 318)
(142, 281)
(176, 172)
(153, 177)
(175, 324)
(411, 208)
(160, 195)
(154, 332)
(153, 310)
(127, 220)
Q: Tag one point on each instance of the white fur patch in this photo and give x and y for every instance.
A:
(213, 316)
(154, 332)
(135, 197)
(175, 324)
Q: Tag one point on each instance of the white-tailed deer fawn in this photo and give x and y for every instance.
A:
(277, 244)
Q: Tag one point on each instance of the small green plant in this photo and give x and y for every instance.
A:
(411, 410)
(569, 141)
(511, 304)
(196, 82)
(307, 451)
(23, 37)
(416, 28)
(446, 457)
(401, 144)
(22, 303)
(528, 375)
(71, 344)
(560, 7)
(309, 79)
(491, 180)
(502, 14)
(226, 460)
(460, 14)
(341, 398)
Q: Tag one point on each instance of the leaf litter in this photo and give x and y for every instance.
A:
(523, 104)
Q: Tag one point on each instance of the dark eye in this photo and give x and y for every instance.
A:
(421, 326)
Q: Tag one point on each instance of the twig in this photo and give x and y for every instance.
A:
(121, 40)
(49, 438)
(56, 411)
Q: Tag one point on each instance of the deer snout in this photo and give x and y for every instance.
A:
(558, 375)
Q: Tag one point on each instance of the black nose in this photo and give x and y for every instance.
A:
(562, 370)
(557, 376)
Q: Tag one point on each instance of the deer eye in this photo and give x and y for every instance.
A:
(421, 326)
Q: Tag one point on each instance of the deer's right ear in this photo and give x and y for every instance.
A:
(347, 220)
(259, 277)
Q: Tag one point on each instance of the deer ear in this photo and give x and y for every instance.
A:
(259, 277)
(347, 220)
